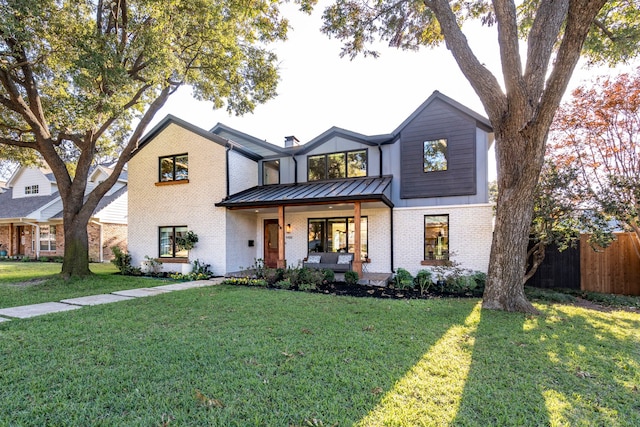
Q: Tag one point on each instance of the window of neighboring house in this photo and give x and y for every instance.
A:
(271, 172)
(174, 168)
(32, 189)
(337, 235)
(47, 237)
(435, 155)
(436, 237)
(167, 242)
(348, 164)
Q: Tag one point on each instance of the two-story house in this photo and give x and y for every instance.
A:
(412, 198)
(31, 215)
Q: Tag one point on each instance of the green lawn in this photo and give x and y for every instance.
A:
(24, 283)
(235, 356)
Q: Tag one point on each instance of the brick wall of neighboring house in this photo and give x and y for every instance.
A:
(113, 235)
(4, 237)
(470, 234)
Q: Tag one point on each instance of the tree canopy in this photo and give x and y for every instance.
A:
(522, 106)
(81, 80)
(597, 133)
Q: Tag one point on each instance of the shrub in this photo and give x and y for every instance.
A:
(423, 281)
(153, 265)
(283, 284)
(122, 261)
(44, 259)
(402, 279)
(189, 277)
(351, 277)
(307, 287)
(329, 275)
(272, 275)
(245, 281)
(304, 275)
(199, 267)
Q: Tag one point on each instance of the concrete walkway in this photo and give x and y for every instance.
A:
(27, 311)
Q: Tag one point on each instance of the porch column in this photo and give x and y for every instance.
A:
(282, 263)
(357, 258)
(11, 239)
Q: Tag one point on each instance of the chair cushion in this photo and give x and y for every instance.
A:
(313, 259)
(344, 259)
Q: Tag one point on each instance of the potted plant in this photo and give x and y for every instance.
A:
(3, 250)
(187, 242)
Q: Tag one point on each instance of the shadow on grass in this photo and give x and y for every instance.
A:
(569, 366)
(256, 357)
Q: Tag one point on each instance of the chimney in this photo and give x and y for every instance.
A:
(290, 141)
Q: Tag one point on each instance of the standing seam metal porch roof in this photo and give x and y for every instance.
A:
(316, 192)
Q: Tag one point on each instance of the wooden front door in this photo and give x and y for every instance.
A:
(21, 240)
(271, 243)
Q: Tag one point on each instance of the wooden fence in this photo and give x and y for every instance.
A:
(615, 270)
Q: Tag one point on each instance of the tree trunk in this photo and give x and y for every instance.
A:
(516, 184)
(76, 247)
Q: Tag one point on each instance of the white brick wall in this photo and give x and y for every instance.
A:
(470, 233)
(192, 204)
(243, 172)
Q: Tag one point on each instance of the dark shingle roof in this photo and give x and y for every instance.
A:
(21, 207)
(346, 190)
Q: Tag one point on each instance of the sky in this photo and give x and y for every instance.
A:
(318, 89)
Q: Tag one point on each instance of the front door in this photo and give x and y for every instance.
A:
(21, 240)
(271, 243)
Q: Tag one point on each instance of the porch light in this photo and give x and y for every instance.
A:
(288, 228)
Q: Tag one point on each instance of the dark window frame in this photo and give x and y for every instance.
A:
(173, 158)
(326, 220)
(346, 164)
(173, 243)
(264, 162)
(446, 155)
(436, 258)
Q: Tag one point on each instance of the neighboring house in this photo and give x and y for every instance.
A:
(415, 197)
(31, 215)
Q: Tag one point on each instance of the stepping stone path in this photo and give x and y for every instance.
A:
(27, 311)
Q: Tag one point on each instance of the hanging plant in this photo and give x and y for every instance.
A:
(187, 241)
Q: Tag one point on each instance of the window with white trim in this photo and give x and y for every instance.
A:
(47, 237)
(32, 189)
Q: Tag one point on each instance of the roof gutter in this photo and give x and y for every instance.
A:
(295, 169)
(228, 148)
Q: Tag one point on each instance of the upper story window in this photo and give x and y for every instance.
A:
(174, 168)
(349, 164)
(271, 172)
(435, 155)
(32, 189)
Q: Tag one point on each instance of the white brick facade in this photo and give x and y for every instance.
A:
(190, 204)
(470, 234)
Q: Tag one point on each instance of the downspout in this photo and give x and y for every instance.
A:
(295, 169)
(101, 239)
(226, 153)
(391, 216)
(380, 151)
(37, 236)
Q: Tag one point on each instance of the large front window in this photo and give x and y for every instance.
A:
(337, 235)
(349, 164)
(168, 247)
(47, 237)
(174, 168)
(436, 237)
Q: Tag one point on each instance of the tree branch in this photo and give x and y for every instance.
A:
(506, 18)
(482, 80)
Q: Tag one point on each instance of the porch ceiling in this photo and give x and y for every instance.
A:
(368, 189)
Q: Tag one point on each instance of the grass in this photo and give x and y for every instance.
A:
(23, 283)
(236, 356)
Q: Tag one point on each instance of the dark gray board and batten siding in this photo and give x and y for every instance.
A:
(439, 120)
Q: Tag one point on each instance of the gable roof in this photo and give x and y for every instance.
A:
(344, 190)
(258, 146)
(170, 119)
(24, 206)
(334, 132)
(104, 202)
(481, 121)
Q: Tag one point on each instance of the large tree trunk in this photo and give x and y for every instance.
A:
(76, 246)
(519, 161)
